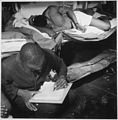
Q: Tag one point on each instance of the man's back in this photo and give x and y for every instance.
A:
(14, 72)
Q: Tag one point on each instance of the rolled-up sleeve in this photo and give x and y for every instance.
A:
(58, 64)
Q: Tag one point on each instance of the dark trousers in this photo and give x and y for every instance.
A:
(44, 110)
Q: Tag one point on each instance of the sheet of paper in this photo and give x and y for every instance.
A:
(47, 94)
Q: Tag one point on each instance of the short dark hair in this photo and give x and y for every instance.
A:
(40, 21)
(32, 53)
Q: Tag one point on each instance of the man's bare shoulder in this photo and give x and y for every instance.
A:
(50, 9)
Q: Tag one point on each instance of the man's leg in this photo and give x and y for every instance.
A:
(100, 24)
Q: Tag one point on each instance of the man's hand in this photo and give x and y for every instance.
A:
(61, 83)
(81, 28)
(4, 111)
(26, 95)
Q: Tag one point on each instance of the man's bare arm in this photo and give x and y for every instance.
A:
(47, 30)
(72, 16)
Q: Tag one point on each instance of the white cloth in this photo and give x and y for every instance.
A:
(22, 22)
(82, 18)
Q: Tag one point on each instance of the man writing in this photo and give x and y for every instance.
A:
(23, 74)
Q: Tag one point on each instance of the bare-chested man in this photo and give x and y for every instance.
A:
(58, 18)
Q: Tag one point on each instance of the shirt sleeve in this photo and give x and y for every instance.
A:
(7, 85)
(58, 64)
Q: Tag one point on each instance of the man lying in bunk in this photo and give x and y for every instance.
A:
(58, 18)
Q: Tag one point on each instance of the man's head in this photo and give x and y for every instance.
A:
(39, 21)
(32, 56)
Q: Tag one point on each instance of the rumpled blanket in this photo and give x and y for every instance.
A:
(20, 26)
(91, 32)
